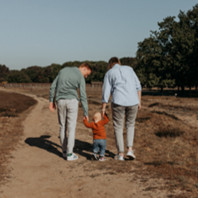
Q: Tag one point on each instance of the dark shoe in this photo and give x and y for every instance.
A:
(94, 156)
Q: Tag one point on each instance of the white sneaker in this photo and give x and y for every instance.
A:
(119, 157)
(131, 155)
(72, 156)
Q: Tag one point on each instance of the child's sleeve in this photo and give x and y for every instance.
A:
(87, 124)
(105, 120)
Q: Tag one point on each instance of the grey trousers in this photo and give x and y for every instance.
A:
(121, 114)
(67, 117)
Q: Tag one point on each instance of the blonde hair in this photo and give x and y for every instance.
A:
(97, 116)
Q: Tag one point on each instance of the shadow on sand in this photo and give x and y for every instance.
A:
(81, 147)
(43, 143)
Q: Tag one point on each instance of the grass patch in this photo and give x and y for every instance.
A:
(141, 120)
(159, 163)
(154, 163)
(8, 112)
(166, 114)
(154, 104)
(166, 132)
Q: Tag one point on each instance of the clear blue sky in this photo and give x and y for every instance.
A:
(41, 32)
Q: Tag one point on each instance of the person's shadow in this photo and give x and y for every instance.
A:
(82, 148)
(43, 143)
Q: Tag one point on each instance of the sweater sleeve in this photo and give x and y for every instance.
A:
(106, 90)
(83, 96)
(87, 124)
(137, 81)
(105, 120)
(53, 90)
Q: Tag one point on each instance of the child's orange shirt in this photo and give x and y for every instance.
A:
(98, 128)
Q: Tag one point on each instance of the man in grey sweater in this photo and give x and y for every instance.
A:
(63, 93)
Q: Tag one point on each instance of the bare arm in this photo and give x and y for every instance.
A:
(52, 93)
(52, 106)
(103, 108)
(140, 96)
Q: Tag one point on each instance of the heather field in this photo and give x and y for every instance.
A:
(31, 164)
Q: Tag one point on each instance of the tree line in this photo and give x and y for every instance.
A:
(37, 74)
(167, 58)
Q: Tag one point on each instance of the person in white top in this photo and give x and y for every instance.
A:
(123, 84)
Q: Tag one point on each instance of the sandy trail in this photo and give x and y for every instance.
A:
(37, 169)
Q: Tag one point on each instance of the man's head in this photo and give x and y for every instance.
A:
(113, 61)
(85, 69)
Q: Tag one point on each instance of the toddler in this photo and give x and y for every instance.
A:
(99, 134)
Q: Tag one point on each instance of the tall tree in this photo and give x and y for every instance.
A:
(192, 16)
(183, 40)
(4, 71)
(36, 74)
(51, 72)
(16, 76)
(169, 56)
(129, 61)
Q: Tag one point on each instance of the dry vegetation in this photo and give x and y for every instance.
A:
(166, 140)
(11, 107)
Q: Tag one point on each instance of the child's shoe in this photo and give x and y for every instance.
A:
(101, 158)
(94, 156)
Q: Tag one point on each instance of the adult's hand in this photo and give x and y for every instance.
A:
(52, 106)
(103, 109)
(139, 106)
(86, 117)
(103, 112)
(140, 97)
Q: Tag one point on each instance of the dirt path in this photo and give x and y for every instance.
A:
(37, 169)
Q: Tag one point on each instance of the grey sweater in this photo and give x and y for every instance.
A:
(66, 84)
